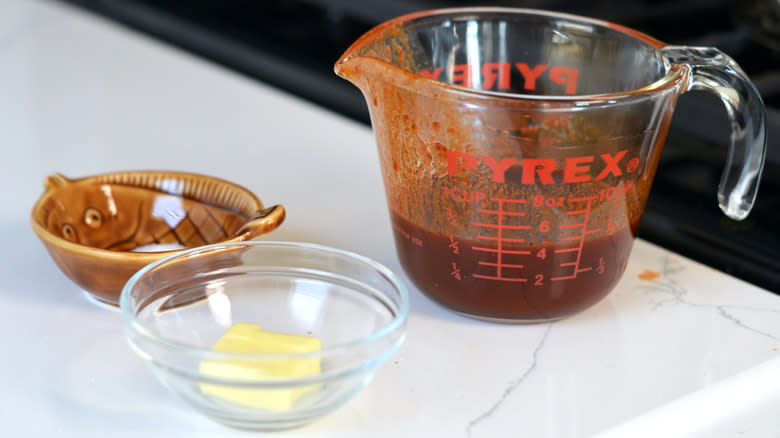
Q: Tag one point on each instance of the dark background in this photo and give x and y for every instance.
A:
(293, 44)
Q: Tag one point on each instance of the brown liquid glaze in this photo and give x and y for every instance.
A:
(527, 283)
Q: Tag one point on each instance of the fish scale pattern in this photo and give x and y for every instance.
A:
(201, 225)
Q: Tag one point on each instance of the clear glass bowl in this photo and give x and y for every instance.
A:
(177, 308)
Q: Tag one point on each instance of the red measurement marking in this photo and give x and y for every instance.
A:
(490, 277)
(502, 213)
(455, 271)
(584, 198)
(504, 269)
(402, 232)
(505, 227)
(451, 216)
(500, 239)
(602, 266)
(503, 265)
(503, 202)
(454, 245)
(611, 227)
(505, 251)
(575, 264)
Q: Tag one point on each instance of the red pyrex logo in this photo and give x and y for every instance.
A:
(499, 75)
(540, 170)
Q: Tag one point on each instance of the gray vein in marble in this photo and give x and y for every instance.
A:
(676, 294)
(513, 385)
(737, 321)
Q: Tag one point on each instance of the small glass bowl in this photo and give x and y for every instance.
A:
(176, 309)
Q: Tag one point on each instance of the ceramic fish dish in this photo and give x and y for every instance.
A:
(102, 229)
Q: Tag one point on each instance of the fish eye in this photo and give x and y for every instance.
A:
(69, 233)
(93, 218)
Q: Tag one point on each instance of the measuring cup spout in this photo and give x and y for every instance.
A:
(358, 67)
(352, 64)
(348, 67)
(384, 55)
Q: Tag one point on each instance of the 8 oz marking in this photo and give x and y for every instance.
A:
(541, 201)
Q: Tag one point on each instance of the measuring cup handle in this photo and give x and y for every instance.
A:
(714, 71)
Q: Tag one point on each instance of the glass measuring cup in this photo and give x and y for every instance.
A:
(518, 148)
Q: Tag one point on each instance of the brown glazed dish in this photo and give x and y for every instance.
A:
(91, 226)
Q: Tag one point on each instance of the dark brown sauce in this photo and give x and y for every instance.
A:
(527, 283)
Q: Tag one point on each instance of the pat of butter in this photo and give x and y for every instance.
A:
(249, 338)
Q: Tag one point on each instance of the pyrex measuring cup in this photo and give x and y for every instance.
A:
(518, 148)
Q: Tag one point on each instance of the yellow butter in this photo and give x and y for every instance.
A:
(249, 338)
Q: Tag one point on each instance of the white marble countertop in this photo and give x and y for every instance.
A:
(80, 95)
